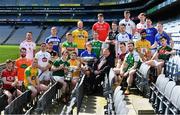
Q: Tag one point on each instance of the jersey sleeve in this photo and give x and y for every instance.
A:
(94, 27)
(27, 73)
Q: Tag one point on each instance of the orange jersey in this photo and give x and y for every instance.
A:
(22, 64)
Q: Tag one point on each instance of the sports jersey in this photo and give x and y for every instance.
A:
(150, 34)
(30, 47)
(87, 54)
(22, 64)
(10, 77)
(158, 36)
(130, 59)
(80, 38)
(161, 52)
(43, 58)
(57, 63)
(75, 62)
(96, 47)
(56, 42)
(31, 73)
(102, 30)
(143, 46)
(130, 25)
(69, 46)
(123, 37)
(141, 26)
(112, 36)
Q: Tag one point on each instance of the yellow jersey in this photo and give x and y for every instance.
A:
(80, 38)
(75, 63)
(32, 73)
(143, 46)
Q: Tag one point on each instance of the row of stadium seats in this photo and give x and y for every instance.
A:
(165, 93)
(18, 34)
(55, 2)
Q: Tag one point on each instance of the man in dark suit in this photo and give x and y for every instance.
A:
(101, 67)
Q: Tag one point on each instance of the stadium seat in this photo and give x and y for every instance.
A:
(167, 94)
(119, 97)
(174, 100)
(173, 96)
(154, 87)
(111, 76)
(116, 91)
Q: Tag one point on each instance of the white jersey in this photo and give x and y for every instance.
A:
(130, 25)
(123, 37)
(141, 26)
(43, 58)
(30, 47)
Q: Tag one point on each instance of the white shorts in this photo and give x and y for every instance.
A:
(58, 78)
(45, 76)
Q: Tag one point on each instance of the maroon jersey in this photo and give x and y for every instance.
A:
(10, 77)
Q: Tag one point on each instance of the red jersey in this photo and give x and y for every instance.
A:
(102, 30)
(10, 77)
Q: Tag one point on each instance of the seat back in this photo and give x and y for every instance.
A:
(159, 79)
(144, 69)
(163, 84)
(168, 90)
(175, 95)
(111, 76)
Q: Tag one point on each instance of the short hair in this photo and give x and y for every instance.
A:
(65, 51)
(131, 42)
(122, 24)
(143, 31)
(160, 23)
(43, 43)
(29, 32)
(163, 37)
(74, 53)
(80, 21)
(23, 49)
(126, 12)
(51, 42)
(69, 33)
(9, 61)
(114, 22)
(123, 43)
(100, 14)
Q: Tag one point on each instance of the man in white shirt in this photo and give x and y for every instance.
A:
(130, 25)
(43, 58)
(29, 45)
(123, 36)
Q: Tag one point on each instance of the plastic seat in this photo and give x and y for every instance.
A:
(120, 107)
(154, 87)
(167, 94)
(116, 91)
(119, 97)
(174, 97)
(111, 76)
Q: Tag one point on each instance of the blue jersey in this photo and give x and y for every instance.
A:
(87, 54)
(56, 42)
(150, 34)
(158, 36)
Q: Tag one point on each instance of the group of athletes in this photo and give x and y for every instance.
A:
(122, 47)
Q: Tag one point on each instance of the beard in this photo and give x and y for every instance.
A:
(23, 56)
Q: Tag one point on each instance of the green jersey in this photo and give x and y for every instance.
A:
(69, 46)
(96, 47)
(130, 59)
(57, 63)
(161, 52)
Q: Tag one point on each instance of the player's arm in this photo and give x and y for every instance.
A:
(155, 55)
(154, 45)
